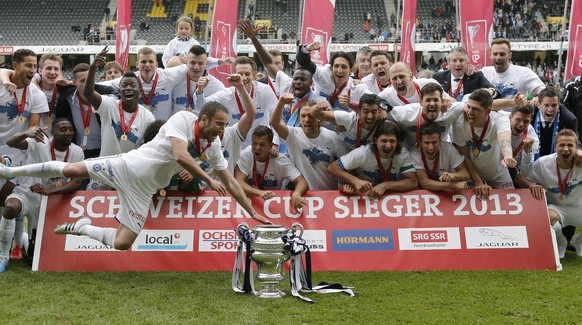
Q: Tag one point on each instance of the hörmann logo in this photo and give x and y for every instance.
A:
(86, 244)
(164, 240)
(496, 237)
(429, 238)
(362, 240)
(219, 240)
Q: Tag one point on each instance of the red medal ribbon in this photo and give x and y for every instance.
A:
(270, 83)
(458, 91)
(148, 100)
(336, 93)
(299, 103)
(435, 167)
(380, 85)
(359, 134)
(385, 178)
(516, 151)
(197, 139)
(53, 154)
(258, 183)
(22, 103)
(404, 100)
(189, 96)
(563, 184)
(238, 102)
(86, 117)
(127, 128)
(478, 143)
(53, 99)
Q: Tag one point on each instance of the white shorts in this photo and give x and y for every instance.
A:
(569, 215)
(135, 197)
(30, 204)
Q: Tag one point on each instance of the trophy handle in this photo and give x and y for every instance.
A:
(294, 229)
(242, 227)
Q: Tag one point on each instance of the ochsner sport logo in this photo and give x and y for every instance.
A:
(496, 237)
(217, 240)
(164, 240)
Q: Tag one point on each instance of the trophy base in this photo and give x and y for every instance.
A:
(269, 294)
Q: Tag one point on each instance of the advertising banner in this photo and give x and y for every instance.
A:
(418, 230)
(223, 40)
(317, 26)
(477, 30)
(122, 33)
(408, 34)
(574, 61)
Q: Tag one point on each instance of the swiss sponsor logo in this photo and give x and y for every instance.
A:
(496, 237)
(164, 240)
(362, 240)
(85, 244)
(217, 240)
(429, 238)
(316, 240)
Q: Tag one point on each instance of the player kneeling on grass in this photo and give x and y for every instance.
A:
(439, 166)
(139, 173)
(381, 166)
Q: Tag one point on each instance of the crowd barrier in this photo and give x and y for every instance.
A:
(417, 230)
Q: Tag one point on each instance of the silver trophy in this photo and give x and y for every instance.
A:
(267, 247)
(472, 33)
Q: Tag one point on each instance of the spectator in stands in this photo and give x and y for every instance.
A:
(510, 79)
(333, 80)
(195, 82)
(259, 174)
(112, 70)
(177, 49)
(107, 12)
(438, 164)
(26, 197)
(311, 147)
(379, 79)
(384, 165)
(198, 27)
(483, 137)
(456, 82)
(557, 175)
(362, 66)
(572, 98)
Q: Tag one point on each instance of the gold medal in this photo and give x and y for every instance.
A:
(21, 119)
(48, 121)
(87, 131)
(476, 152)
(203, 157)
(123, 137)
(58, 184)
(189, 109)
(561, 197)
(147, 107)
(162, 192)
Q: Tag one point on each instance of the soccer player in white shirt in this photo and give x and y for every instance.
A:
(484, 138)
(186, 91)
(558, 176)
(379, 79)
(122, 121)
(50, 71)
(359, 127)
(404, 89)
(411, 117)
(381, 166)
(333, 80)
(524, 143)
(262, 96)
(25, 199)
(138, 174)
(439, 166)
(510, 79)
(259, 173)
(311, 147)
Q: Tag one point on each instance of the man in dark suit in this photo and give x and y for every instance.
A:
(456, 82)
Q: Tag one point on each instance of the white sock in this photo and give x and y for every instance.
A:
(43, 170)
(6, 233)
(104, 235)
(18, 230)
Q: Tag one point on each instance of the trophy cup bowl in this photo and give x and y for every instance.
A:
(268, 252)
